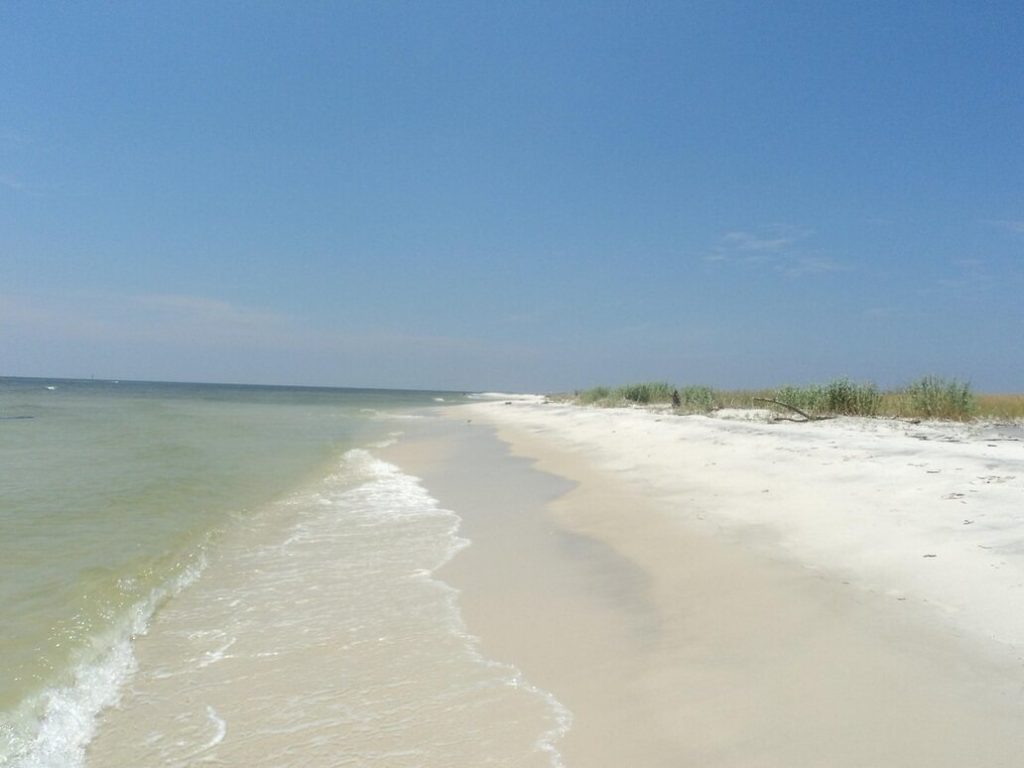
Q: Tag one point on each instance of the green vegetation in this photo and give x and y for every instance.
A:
(1000, 407)
(692, 399)
(838, 397)
(697, 399)
(934, 398)
(930, 397)
(647, 393)
(595, 396)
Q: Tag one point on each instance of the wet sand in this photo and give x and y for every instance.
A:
(677, 640)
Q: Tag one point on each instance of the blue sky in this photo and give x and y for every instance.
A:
(528, 196)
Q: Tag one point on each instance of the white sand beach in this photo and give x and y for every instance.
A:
(714, 591)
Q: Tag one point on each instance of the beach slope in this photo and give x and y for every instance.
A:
(718, 592)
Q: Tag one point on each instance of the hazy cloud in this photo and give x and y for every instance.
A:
(206, 321)
(781, 248)
(213, 339)
(188, 320)
(196, 321)
(775, 240)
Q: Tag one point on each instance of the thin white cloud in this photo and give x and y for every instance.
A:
(810, 264)
(781, 248)
(776, 239)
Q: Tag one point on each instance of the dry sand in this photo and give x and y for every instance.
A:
(712, 592)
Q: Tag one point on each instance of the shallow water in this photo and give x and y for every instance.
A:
(198, 572)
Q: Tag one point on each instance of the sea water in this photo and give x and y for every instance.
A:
(202, 573)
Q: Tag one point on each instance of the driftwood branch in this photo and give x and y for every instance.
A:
(807, 416)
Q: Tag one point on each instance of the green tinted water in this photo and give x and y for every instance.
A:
(110, 492)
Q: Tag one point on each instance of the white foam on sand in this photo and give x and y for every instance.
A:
(54, 729)
(503, 396)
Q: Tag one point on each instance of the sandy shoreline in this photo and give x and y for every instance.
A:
(928, 513)
(710, 592)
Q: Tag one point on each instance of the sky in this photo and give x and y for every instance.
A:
(524, 196)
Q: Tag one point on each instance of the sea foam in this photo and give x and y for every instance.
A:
(53, 728)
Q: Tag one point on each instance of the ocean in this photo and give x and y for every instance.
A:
(195, 573)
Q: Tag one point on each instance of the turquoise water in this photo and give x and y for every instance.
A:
(113, 497)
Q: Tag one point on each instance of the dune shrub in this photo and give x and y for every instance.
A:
(851, 399)
(839, 397)
(646, 393)
(933, 397)
(930, 397)
(697, 399)
(809, 398)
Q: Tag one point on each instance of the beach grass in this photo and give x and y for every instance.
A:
(932, 397)
(838, 397)
(698, 399)
(929, 397)
(1006, 407)
(647, 393)
(692, 398)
